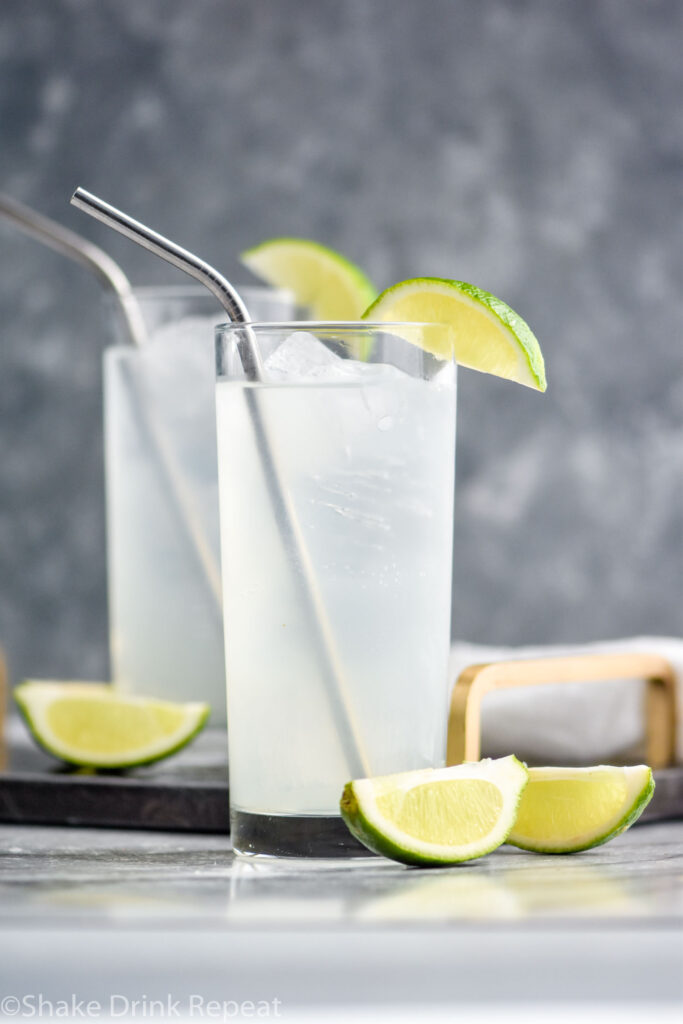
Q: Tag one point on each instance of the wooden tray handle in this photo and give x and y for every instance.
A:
(464, 721)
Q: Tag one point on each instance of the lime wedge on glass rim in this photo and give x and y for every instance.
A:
(564, 810)
(483, 332)
(326, 282)
(95, 726)
(436, 815)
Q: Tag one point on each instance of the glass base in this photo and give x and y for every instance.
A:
(293, 835)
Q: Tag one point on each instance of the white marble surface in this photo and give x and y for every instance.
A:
(62, 876)
(96, 912)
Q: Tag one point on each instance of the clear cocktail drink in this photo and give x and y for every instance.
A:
(163, 557)
(364, 453)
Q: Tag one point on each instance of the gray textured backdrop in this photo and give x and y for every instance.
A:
(534, 148)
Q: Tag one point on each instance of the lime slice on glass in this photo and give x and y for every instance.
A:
(436, 816)
(327, 283)
(484, 333)
(564, 810)
(94, 725)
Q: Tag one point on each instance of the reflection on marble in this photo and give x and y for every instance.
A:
(103, 876)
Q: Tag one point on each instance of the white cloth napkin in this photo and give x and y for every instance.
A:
(569, 723)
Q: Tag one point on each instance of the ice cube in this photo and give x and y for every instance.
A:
(302, 357)
(184, 345)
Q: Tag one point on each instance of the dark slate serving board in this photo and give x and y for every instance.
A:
(187, 793)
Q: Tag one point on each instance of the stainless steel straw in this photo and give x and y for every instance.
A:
(283, 507)
(68, 243)
(79, 249)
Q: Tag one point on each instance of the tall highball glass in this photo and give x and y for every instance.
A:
(163, 555)
(336, 476)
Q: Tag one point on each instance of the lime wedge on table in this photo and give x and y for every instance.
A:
(436, 816)
(484, 333)
(330, 285)
(568, 809)
(93, 725)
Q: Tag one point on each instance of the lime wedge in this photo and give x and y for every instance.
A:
(93, 725)
(568, 809)
(436, 816)
(332, 287)
(484, 333)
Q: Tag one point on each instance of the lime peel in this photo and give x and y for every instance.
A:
(94, 725)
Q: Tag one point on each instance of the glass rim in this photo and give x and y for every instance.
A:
(191, 291)
(350, 326)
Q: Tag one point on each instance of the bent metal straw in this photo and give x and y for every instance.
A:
(79, 249)
(285, 513)
(109, 274)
